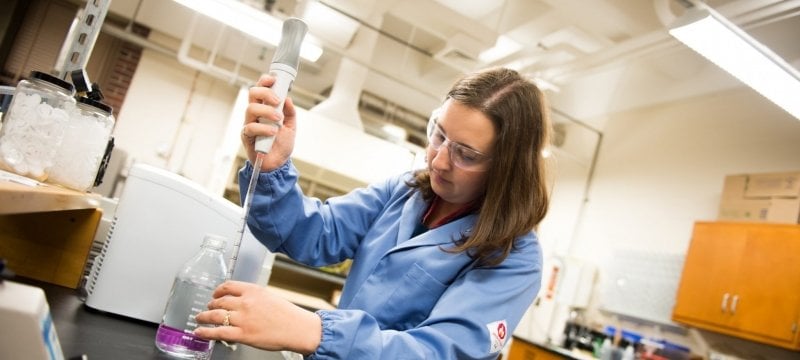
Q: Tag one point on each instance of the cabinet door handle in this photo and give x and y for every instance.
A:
(733, 304)
(724, 305)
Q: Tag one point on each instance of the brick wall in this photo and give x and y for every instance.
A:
(117, 79)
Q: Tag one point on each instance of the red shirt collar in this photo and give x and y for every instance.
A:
(458, 213)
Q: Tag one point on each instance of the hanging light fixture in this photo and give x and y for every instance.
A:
(729, 47)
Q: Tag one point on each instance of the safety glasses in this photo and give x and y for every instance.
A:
(461, 155)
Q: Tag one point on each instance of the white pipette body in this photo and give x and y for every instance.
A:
(284, 68)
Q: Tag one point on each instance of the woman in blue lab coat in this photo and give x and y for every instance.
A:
(445, 259)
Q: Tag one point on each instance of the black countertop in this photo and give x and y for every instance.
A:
(99, 335)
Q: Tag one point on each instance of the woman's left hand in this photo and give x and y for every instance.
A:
(250, 314)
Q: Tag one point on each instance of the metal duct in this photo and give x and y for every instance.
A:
(342, 104)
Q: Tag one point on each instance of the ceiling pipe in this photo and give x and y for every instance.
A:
(408, 117)
(660, 39)
(663, 12)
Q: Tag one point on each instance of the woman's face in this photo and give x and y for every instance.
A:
(467, 127)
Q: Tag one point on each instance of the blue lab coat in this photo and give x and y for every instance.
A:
(405, 298)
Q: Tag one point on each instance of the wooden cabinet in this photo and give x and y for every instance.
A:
(743, 279)
(524, 350)
(521, 349)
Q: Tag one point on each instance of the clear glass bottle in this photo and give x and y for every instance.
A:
(33, 126)
(85, 140)
(190, 294)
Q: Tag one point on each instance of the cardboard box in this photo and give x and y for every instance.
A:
(773, 185)
(734, 186)
(775, 210)
(763, 197)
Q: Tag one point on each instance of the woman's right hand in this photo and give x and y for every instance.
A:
(262, 105)
(251, 314)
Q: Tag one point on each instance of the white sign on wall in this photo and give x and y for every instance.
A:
(641, 284)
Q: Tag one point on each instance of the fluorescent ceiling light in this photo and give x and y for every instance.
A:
(725, 44)
(502, 48)
(250, 21)
(395, 133)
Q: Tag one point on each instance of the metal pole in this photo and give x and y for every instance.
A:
(80, 40)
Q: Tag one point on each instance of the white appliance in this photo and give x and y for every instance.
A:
(158, 225)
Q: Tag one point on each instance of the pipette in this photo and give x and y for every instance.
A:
(284, 68)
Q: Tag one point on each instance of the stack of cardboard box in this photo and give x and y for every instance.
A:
(763, 197)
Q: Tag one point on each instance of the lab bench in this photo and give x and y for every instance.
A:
(98, 335)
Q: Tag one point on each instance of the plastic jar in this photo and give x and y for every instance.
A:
(6, 94)
(86, 137)
(33, 126)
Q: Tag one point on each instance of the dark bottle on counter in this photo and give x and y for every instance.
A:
(571, 330)
(190, 294)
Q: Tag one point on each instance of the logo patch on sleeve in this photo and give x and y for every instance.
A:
(498, 332)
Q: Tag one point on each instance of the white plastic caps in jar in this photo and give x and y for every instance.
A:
(86, 136)
(33, 126)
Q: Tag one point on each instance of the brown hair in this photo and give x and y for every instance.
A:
(516, 197)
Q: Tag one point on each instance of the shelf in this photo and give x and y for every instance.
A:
(315, 181)
(20, 195)
(310, 287)
(283, 262)
(306, 301)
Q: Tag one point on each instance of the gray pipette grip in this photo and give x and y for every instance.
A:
(284, 68)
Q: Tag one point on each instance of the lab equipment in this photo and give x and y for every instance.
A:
(190, 293)
(629, 353)
(33, 126)
(284, 68)
(159, 222)
(25, 311)
(606, 350)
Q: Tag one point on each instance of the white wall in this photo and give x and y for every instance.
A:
(661, 168)
(174, 117)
